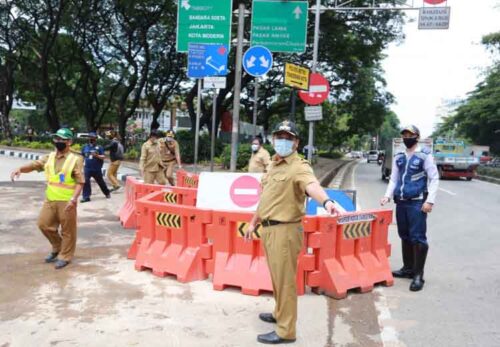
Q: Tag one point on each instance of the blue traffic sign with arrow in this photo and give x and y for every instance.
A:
(257, 61)
(206, 60)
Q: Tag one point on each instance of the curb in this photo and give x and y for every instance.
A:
(488, 179)
(37, 156)
(339, 177)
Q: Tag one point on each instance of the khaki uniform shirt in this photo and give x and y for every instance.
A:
(77, 174)
(169, 150)
(151, 160)
(259, 161)
(284, 189)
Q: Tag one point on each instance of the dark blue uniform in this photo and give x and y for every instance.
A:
(93, 169)
(409, 195)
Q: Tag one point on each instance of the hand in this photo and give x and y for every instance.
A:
(15, 175)
(70, 206)
(249, 233)
(427, 207)
(330, 208)
(384, 200)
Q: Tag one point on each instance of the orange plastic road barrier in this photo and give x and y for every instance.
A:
(173, 239)
(243, 264)
(351, 252)
(172, 195)
(127, 211)
(187, 179)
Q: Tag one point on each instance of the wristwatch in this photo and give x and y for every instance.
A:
(324, 202)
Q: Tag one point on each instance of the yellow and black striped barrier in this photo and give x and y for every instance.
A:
(170, 197)
(168, 220)
(242, 229)
(357, 230)
(190, 182)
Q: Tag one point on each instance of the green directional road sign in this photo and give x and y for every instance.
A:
(202, 21)
(281, 26)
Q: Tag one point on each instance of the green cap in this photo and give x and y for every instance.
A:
(412, 129)
(287, 127)
(64, 133)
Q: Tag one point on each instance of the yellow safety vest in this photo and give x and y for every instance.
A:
(60, 185)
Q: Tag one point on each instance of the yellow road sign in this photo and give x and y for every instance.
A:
(168, 220)
(297, 76)
(357, 230)
(242, 229)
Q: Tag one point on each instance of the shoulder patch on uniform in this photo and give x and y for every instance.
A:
(421, 155)
(400, 153)
(425, 150)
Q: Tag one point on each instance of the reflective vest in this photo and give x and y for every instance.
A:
(412, 180)
(60, 185)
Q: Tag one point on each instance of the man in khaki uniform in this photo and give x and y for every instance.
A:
(151, 164)
(280, 212)
(63, 170)
(170, 155)
(260, 159)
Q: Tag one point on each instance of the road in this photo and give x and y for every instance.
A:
(100, 299)
(460, 300)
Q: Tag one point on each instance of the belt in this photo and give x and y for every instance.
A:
(270, 222)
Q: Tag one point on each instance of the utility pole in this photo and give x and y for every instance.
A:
(255, 106)
(237, 88)
(197, 129)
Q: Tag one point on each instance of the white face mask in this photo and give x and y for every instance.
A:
(170, 138)
(283, 147)
(255, 148)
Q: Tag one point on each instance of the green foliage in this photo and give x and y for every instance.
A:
(132, 154)
(186, 144)
(243, 155)
(489, 171)
(331, 155)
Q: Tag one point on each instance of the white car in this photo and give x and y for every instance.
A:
(372, 156)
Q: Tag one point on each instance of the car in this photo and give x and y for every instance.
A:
(355, 155)
(495, 162)
(372, 156)
(86, 136)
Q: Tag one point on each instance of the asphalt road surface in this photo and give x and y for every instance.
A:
(459, 303)
(99, 299)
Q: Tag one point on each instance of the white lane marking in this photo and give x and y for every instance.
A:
(447, 191)
(388, 333)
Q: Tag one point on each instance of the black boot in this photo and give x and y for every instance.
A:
(420, 250)
(407, 270)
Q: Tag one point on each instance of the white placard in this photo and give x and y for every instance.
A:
(434, 18)
(229, 191)
(313, 113)
(214, 82)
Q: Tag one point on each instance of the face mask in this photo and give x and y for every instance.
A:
(153, 140)
(283, 147)
(170, 138)
(255, 148)
(61, 146)
(410, 141)
(92, 142)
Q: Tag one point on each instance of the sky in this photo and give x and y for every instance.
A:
(432, 66)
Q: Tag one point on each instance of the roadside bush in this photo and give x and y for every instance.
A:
(243, 155)
(489, 171)
(330, 155)
(132, 154)
(186, 144)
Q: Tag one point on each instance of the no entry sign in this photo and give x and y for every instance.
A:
(319, 88)
(434, 2)
(229, 191)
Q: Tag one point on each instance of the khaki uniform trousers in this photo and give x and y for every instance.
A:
(282, 244)
(169, 171)
(51, 217)
(158, 176)
(112, 173)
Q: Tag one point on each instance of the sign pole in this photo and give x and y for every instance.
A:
(315, 62)
(255, 106)
(237, 88)
(212, 145)
(197, 129)
(294, 105)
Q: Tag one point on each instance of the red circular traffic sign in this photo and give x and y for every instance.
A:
(245, 191)
(434, 2)
(319, 89)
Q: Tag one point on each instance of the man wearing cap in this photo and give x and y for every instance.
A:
(94, 159)
(151, 164)
(413, 185)
(63, 171)
(260, 159)
(280, 211)
(170, 155)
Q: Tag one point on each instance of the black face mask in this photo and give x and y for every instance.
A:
(92, 142)
(61, 146)
(410, 141)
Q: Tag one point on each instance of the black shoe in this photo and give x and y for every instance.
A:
(51, 257)
(108, 196)
(407, 270)
(267, 317)
(60, 264)
(419, 260)
(273, 339)
(83, 200)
